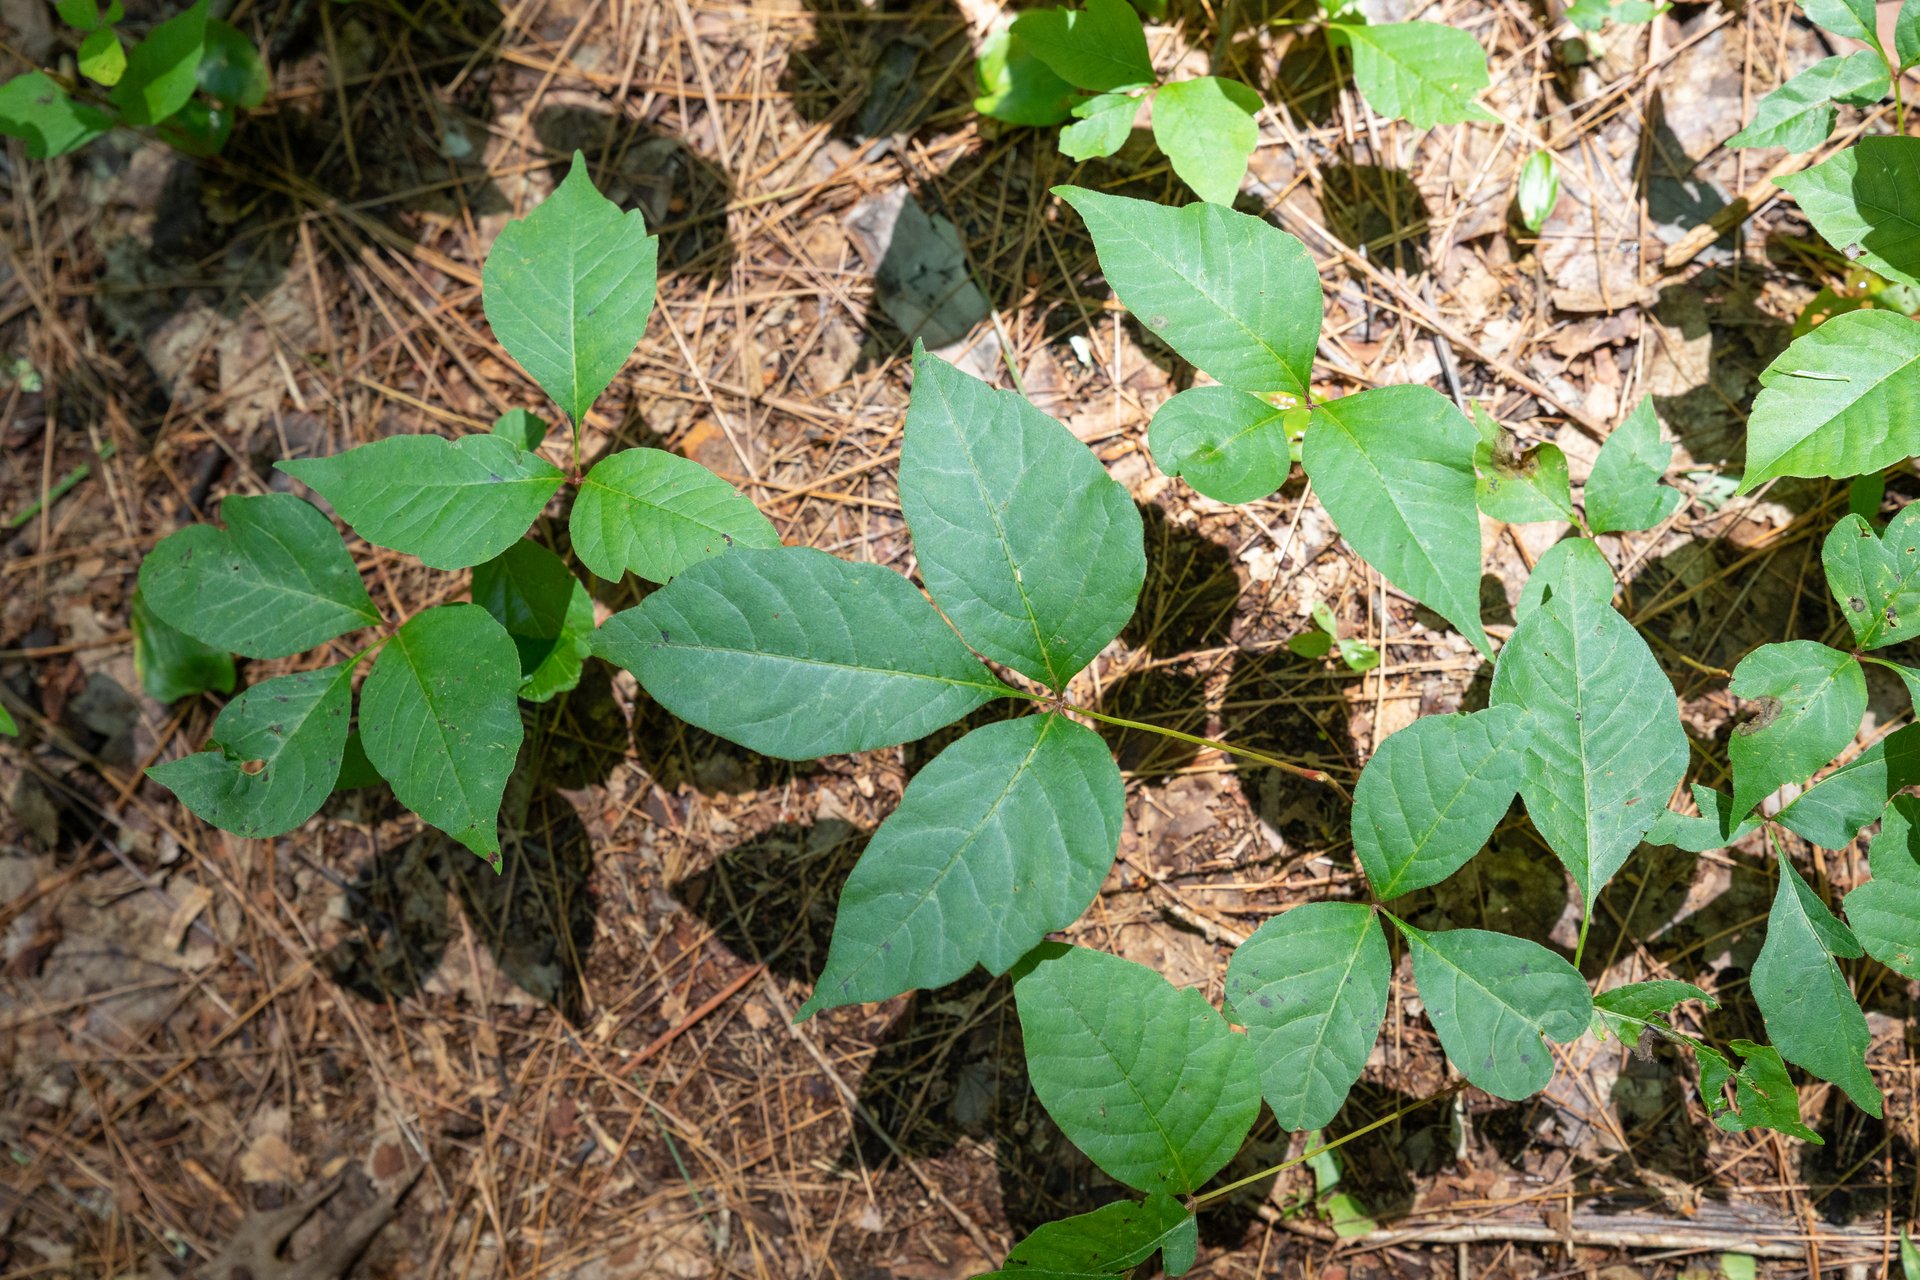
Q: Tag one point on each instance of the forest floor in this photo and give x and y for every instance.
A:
(587, 1067)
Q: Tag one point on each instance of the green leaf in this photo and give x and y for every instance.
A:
(1591, 15)
(1854, 19)
(170, 663)
(1102, 47)
(1495, 1000)
(1425, 73)
(83, 14)
(795, 653)
(35, 109)
(273, 757)
(1800, 113)
(1024, 540)
(1832, 811)
(1763, 1093)
(451, 503)
(1310, 986)
(230, 67)
(1865, 201)
(1538, 190)
(1519, 486)
(1110, 1241)
(1624, 491)
(102, 58)
(439, 720)
(1101, 127)
(1311, 644)
(197, 129)
(1906, 50)
(1811, 1016)
(521, 429)
(275, 581)
(1909, 1255)
(1148, 1080)
(1205, 127)
(1629, 1010)
(1717, 826)
(1809, 700)
(545, 609)
(999, 841)
(7, 726)
(1885, 911)
(655, 514)
(356, 771)
(567, 290)
(1228, 445)
(163, 69)
(1235, 296)
(1571, 566)
(1876, 579)
(1607, 745)
(1431, 796)
(1394, 468)
(1017, 87)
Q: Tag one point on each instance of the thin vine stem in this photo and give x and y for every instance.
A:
(1260, 757)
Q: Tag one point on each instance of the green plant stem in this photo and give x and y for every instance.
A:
(1342, 1140)
(1297, 770)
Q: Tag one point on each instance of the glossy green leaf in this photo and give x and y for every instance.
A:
(1865, 201)
(1110, 1241)
(1496, 1000)
(1234, 295)
(1854, 19)
(35, 109)
(1906, 53)
(1876, 578)
(1811, 1016)
(230, 67)
(1808, 700)
(440, 721)
(170, 663)
(1024, 540)
(1145, 1078)
(1101, 126)
(1885, 911)
(1836, 402)
(1228, 445)
(1607, 745)
(1833, 810)
(451, 503)
(1205, 127)
(1624, 491)
(1800, 113)
(1717, 826)
(654, 513)
(1537, 190)
(545, 609)
(1017, 87)
(1425, 73)
(273, 757)
(1628, 1011)
(522, 429)
(1515, 484)
(1570, 566)
(1431, 796)
(567, 290)
(795, 653)
(102, 58)
(1310, 986)
(1003, 838)
(1102, 47)
(1394, 468)
(275, 581)
(163, 69)
(1763, 1093)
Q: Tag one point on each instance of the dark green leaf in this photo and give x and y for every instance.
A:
(1865, 201)
(1520, 486)
(1885, 911)
(1854, 19)
(170, 663)
(1624, 491)
(1808, 700)
(1628, 1011)
(163, 69)
(1425, 73)
(1718, 825)
(1763, 1094)
(356, 771)
(1102, 47)
(545, 609)
(655, 513)
(522, 429)
(1906, 52)
(230, 67)
(1230, 446)
(1835, 403)
(1017, 87)
(1205, 127)
(1110, 1241)
(1876, 579)
(1832, 811)
(35, 109)
(1800, 113)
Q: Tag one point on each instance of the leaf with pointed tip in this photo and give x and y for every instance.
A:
(1811, 1016)
(275, 581)
(1800, 113)
(1906, 52)
(522, 429)
(1496, 1000)
(1102, 47)
(1145, 1078)
(1854, 19)
(1717, 826)
(1205, 127)
(1808, 700)
(656, 513)
(1519, 486)
(1573, 565)
(795, 653)
(999, 841)
(38, 110)
(1234, 295)
(1865, 202)
(1763, 1093)
(1228, 445)
(1024, 540)
(102, 58)
(440, 721)
(451, 503)
(1607, 745)
(567, 290)
(546, 611)
(1015, 86)
(7, 726)
(1837, 401)
(1832, 811)
(1310, 986)
(1101, 127)
(163, 69)
(1110, 1241)
(230, 69)
(1885, 911)
(170, 663)
(1629, 1010)
(1537, 191)
(273, 757)
(1876, 580)
(1624, 491)
(1394, 468)
(1425, 73)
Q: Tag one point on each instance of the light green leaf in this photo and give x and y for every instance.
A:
(1624, 491)
(1809, 700)
(1876, 579)
(230, 67)
(1885, 911)
(1607, 745)
(654, 513)
(1394, 468)
(1017, 87)
(102, 59)
(1110, 1241)
(1763, 1093)
(1628, 1011)
(1495, 1000)
(35, 109)
(795, 653)
(521, 429)
(1205, 127)
(1024, 540)
(1865, 201)
(1148, 1080)
(567, 290)
(1519, 486)
(1432, 794)
(275, 581)
(1234, 295)
(1570, 566)
(1800, 113)
(1102, 47)
(451, 503)
(1101, 127)
(1910, 1255)
(1717, 826)
(999, 841)
(163, 69)
(273, 757)
(1854, 19)
(1425, 73)
(1811, 1016)
(7, 727)
(170, 663)
(1228, 445)
(439, 720)
(1538, 190)
(546, 611)
(1832, 811)
(1310, 986)
(1591, 15)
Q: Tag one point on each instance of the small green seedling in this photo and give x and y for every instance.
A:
(1537, 190)
(1324, 637)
